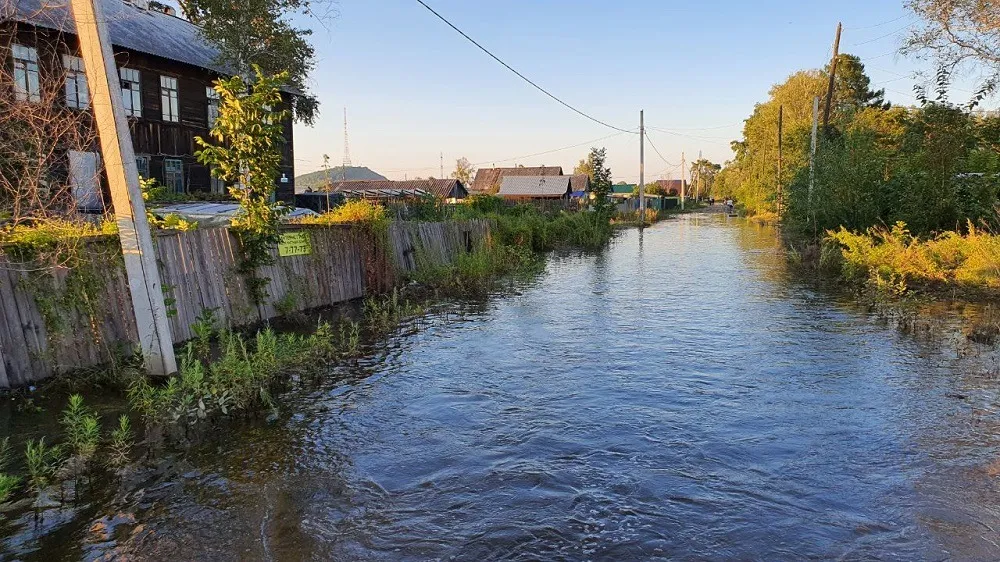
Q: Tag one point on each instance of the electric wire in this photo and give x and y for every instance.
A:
(523, 77)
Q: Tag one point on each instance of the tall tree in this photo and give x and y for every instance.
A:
(853, 87)
(463, 170)
(957, 33)
(600, 178)
(260, 33)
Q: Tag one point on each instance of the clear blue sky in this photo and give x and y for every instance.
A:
(414, 88)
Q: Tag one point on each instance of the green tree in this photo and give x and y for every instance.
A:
(600, 179)
(261, 33)
(463, 170)
(703, 173)
(958, 34)
(247, 156)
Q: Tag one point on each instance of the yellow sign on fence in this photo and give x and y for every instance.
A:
(295, 244)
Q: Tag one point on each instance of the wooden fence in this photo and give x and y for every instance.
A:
(41, 334)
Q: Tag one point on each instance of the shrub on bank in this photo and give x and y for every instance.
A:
(894, 262)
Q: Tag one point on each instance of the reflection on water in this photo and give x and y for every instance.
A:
(677, 396)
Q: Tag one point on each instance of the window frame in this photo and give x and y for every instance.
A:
(174, 179)
(131, 82)
(27, 85)
(212, 108)
(142, 165)
(76, 88)
(169, 99)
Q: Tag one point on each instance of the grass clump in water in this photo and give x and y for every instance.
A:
(894, 263)
(8, 482)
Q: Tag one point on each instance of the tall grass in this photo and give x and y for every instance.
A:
(894, 262)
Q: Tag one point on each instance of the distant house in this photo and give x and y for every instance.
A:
(389, 189)
(488, 180)
(535, 187)
(580, 184)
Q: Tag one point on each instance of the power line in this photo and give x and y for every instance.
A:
(880, 24)
(657, 151)
(523, 77)
(880, 37)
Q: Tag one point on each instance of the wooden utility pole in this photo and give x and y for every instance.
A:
(683, 175)
(123, 179)
(781, 115)
(833, 76)
(812, 150)
(642, 170)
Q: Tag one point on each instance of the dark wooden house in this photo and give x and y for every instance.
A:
(166, 71)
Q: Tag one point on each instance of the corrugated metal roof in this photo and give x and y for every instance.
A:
(488, 179)
(535, 186)
(147, 31)
(443, 188)
(214, 214)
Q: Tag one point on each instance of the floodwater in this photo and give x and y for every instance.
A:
(677, 396)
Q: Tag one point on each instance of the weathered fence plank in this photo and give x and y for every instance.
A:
(198, 268)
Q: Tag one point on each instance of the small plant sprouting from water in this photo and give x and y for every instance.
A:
(383, 313)
(204, 329)
(83, 429)
(350, 337)
(43, 462)
(120, 448)
(8, 483)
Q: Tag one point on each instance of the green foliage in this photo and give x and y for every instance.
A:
(8, 483)
(204, 328)
(260, 34)
(239, 381)
(42, 462)
(894, 263)
(923, 167)
(247, 156)
(82, 428)
(600, 180)
(353, 211)
(463, 170)
(122, 440)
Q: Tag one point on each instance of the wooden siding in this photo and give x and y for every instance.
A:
(151, 136)
(197, 271)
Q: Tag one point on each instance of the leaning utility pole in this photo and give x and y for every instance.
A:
(833, 76)
(781, 114)
(123, 180)
(683, 174)
(642, 171)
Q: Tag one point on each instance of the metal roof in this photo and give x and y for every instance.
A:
(488, 179)
(443, 188)
(130, 27)
(535, 186)
(215, 214)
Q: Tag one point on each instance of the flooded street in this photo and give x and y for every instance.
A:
(678, 396)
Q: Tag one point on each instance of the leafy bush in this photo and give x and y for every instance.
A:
(894, 262)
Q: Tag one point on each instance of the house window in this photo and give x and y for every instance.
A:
(213, 105)
(168, 98)
(173, 175)
(142, 164)
(77, 95)
(131, 92)
(26, 86)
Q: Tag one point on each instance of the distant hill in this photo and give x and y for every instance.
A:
(317, 179)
